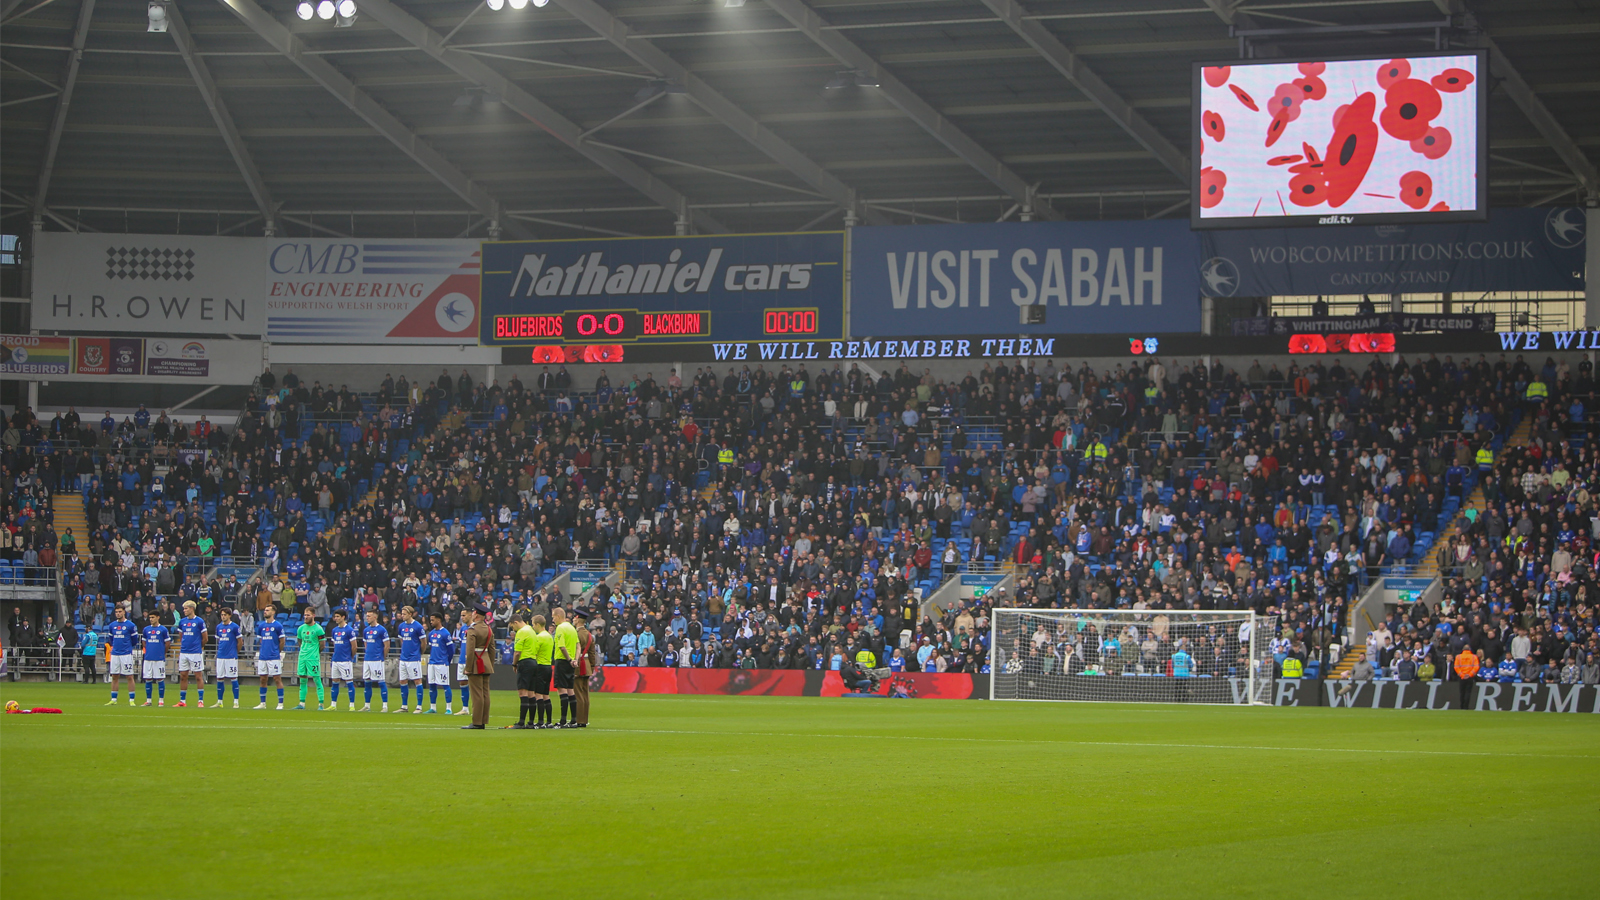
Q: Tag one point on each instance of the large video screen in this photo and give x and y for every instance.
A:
(1340, 142)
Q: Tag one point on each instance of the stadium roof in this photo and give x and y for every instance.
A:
(431, 117)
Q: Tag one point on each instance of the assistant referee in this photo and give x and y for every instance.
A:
(522, 658)
(566, 664)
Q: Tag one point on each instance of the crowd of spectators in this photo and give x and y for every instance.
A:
(782, 517)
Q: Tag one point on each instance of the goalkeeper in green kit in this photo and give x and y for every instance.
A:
(310, 635)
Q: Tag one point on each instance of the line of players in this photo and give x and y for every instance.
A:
(123, 637)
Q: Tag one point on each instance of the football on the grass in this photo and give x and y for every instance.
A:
(11, 706)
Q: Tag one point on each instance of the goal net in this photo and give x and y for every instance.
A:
(1151, 656)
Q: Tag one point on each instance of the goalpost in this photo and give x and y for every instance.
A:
(1131, 656)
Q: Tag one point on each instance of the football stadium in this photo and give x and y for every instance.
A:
(931, 448)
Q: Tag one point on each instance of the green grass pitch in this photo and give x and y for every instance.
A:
(711, 797)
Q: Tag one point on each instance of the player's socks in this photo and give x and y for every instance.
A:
(161, 691)
(367, 685)
(280, 698)
(183, 696)
(149, 689)
(566, 704)
(320, 696)
(383, 690)
(303, 687)
(405, 696)
(522, 712)
(113, 696)
(236, 692)
(200, 693)
(263, 695)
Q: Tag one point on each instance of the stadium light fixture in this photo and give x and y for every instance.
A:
(541, 4)
(519, 4)
(305, 11)
(157, 13)
(345, 11)
(325, 10)
(497, 5)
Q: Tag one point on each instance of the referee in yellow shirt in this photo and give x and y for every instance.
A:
(566, 663)
(522, 658)
(544, 648)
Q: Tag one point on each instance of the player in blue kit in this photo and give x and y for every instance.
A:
(412, 634)
(269, 655)
(191, 655)
(375, 644)
(121, 635)
(461, 667)
(441, 647)
(343, 640)
(227, 655)
(156, 638)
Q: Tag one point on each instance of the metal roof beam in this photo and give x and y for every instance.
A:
(69, 80)
(1523, 95)
(1071, 66)
(363, 105)
(724, 110)
(179, 29)
(909, 102)
(468, 66)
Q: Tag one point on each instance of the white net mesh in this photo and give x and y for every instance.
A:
(1165, 656)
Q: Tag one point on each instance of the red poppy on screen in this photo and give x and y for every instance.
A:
(1284, 160)
(1312, 68)
(1212, 181)
(1452, 81)
(548, 354)
(574, 353)
(1335, 178)
(1434, 144)
(1408, 107)
(1311, 88)
(1416, 189)
(1275, 129)
(1244, 98)
(1286, 102)
(1392, 71)
(1441, 206)
(602, 353)
(1213, 124)
(1217, 76)
(1338, 343)
(1308, 343)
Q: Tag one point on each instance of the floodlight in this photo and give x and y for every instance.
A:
(497, 5)
(157, 13)
(305, 10)
(325, 10)
(347, 8)
(541, 4)
(519, 4)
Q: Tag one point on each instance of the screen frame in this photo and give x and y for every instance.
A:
(1421, 217)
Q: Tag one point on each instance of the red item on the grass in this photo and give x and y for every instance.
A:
(36, 709)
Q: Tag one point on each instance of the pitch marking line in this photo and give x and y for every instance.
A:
(376, 726)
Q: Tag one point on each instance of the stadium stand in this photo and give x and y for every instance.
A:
(789, 519)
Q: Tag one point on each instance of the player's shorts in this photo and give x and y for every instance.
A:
(541, 678)
(563, 674)
(372, 670)
(192, 662)
(268, 667)
(227, 668)
(525, 674)
(439, 675)
(461, 672)
(121, 665)
(155, 670)
(342, 671)
(311, 668)
(411, 670)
